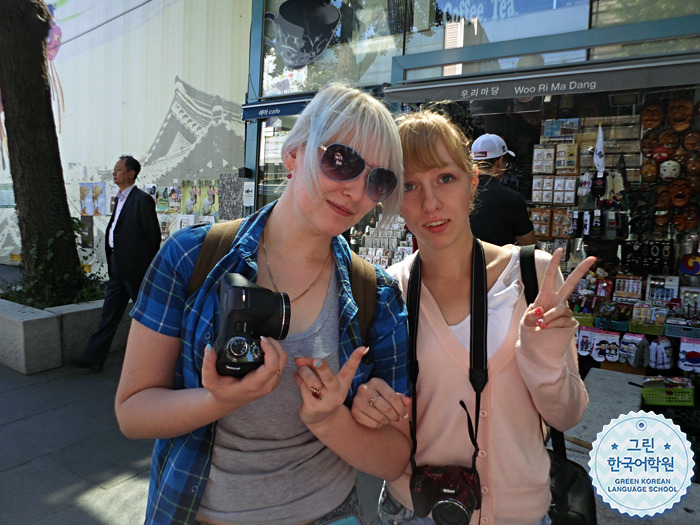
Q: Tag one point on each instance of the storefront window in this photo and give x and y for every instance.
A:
(273, 174)
(616, 12)
(443, 24)
(308, 43)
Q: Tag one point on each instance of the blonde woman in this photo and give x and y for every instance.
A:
(531, 359)
(278, 446)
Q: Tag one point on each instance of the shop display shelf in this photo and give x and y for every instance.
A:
(669, 396)
(675, 330)
(608, 324)
(643, 328)
(585, 319)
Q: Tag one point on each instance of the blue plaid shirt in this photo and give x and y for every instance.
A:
(180, 466)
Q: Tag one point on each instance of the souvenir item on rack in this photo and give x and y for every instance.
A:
(598, 184)
(585, 340)
(644, 257)
(680, 114)
(669, 170)
(613, 353)
(600, 346)
(662, 215)
(661, 154)
(627, 348)
(679, 222)
(652, 116)
(661, 353)
(692, 165)
(692, 214)
(689, 355)
(634, 350)
(649, 171)
(691, 141)
(649, 142)
(669, 139)
(679, 155)
(690, 261)
(681, 191)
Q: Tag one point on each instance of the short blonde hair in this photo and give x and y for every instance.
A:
(420, 134)
(339, 113)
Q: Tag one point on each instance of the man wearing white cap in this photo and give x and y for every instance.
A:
(500, 214)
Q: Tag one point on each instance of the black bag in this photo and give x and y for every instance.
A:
(573, 500)
(573, 496)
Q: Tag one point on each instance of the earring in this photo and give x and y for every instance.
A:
(289, 175)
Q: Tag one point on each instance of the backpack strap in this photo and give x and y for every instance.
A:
(216, 244)
(363, 280)
(528, 273)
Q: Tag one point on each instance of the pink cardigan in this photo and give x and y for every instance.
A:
(532, 373)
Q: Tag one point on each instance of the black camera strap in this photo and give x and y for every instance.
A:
(478, 374)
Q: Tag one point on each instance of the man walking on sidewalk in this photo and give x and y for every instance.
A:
(133, 238)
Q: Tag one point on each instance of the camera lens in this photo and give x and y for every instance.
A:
(451, 512)
(236, 347)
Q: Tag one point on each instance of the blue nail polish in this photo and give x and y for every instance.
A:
(318, 363)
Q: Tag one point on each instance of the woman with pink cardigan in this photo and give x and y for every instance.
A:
(530, 357)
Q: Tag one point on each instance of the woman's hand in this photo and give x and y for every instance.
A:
(376, 404)
(236, 392)
(551, 309)
(323, 392)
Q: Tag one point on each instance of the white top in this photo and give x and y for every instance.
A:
(120, 204)
(502, 298)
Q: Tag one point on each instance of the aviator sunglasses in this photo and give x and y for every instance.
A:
(342, 163)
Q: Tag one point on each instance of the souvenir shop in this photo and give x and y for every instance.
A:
(601, 107)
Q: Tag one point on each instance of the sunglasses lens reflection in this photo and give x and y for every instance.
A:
(342, 163)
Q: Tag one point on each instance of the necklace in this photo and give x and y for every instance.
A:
(274, 284)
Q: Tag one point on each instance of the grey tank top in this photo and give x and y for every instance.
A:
(267, 467)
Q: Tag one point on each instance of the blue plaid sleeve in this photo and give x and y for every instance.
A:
(161, 301)
(388, 335)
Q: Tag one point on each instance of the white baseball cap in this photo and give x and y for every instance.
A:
(489, 146)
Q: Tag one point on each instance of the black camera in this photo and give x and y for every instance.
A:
(451, 492)
(247, 312)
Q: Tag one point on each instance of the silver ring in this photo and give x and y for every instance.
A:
(371, 401)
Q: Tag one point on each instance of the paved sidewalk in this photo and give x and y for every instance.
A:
(63, 460)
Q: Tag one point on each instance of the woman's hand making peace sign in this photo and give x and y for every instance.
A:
(551, 309)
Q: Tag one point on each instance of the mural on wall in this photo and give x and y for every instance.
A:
(124, 89)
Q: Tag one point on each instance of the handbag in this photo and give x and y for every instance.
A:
(573, 496)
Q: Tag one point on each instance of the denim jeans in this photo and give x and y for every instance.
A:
(391, 512)
(349, 512)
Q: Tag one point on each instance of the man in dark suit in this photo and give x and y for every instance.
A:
(133, 238)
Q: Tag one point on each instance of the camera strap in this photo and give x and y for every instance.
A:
(478, 374)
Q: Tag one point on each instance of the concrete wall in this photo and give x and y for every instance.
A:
(33, 341)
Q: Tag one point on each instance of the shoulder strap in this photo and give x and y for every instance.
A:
(363, 281)
(528, 273)
(216, 244)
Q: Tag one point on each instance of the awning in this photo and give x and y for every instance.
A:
(591, 78)
(273, 108)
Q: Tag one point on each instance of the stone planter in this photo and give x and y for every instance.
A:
(36, 340)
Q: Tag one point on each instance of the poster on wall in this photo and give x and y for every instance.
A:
(93, 198)
(87, 232)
